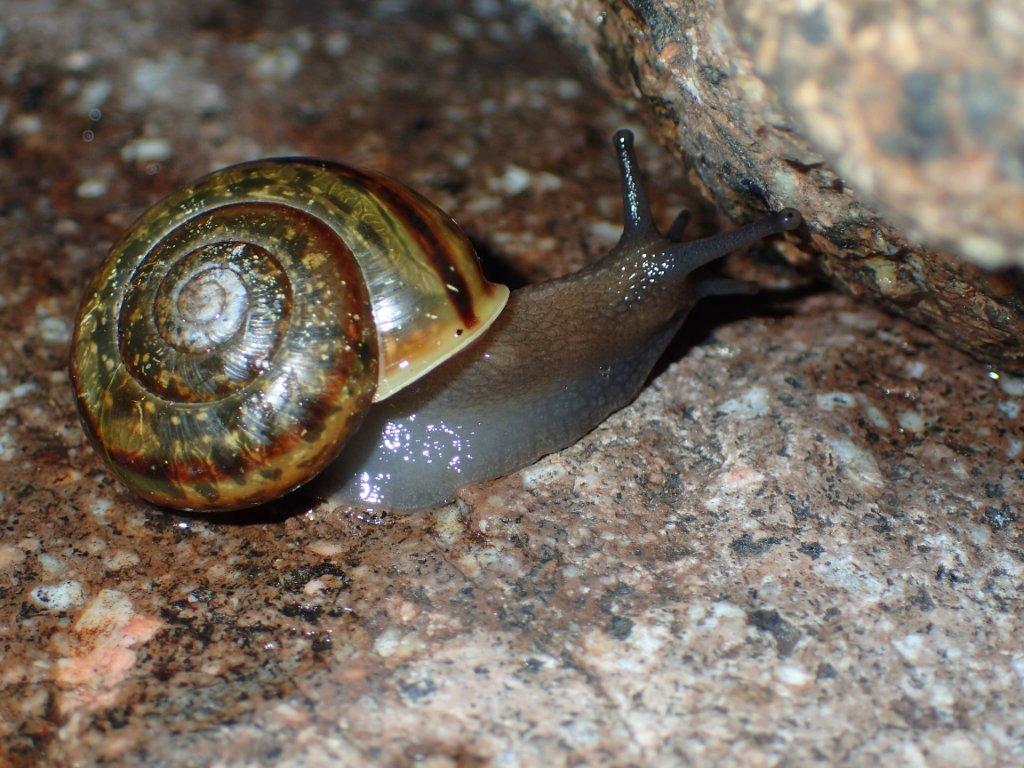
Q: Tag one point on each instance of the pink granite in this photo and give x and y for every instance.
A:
(801, 544)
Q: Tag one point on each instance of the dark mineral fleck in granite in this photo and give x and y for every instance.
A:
(801, 544)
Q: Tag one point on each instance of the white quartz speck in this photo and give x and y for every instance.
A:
(7, 395)
(91, 188)
(849, 575)
(8, 449)
(911, 421)
(59, 597)
(542, 473)
(910, 646)
(691, 88)
(94, 545)
(146, 150)
(27, 124)
(393, 643)
(387, 641)
(1009, 408)
(858, 320)
(753, 403)
(100, 507)
(121, 560)
(793, 674)
(859, 464)
(829, 401)
(337, 42)
(10, 557)
(79, 60)
(785, 183)
(567, 88)
(727, 610)
(326, 548)
(876, 417)
(605, 231)
(55, 329)
(110, 608)
(648, 639)
(1012, 385)
(959, 748)
(448, 524)
(279, 64)
(981, 535)
(51, 565)
(514, 180)
(986, 251)
(154, 78)
(916, 369)
(93, 94)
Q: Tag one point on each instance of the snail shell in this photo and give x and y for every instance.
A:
(236, 335)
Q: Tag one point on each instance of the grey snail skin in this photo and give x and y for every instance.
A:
(562, 356)
(285, 320)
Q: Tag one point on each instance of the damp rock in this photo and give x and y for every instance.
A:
(895, 128)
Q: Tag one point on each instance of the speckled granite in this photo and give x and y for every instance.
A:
(800, 546)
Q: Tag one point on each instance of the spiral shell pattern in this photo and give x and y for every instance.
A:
(236, 335)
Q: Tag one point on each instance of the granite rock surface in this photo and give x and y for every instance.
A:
(894, 127)
(800, 545)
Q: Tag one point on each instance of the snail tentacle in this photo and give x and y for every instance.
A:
(639, 221)
(724, 287)
(696, 253)
(678, 227)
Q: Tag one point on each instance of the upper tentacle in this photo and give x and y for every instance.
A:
(639, 222)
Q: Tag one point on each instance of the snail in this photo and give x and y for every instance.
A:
(284, 320)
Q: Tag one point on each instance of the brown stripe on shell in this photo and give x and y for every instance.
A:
(408, 207)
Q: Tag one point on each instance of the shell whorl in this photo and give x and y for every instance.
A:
(237, 333)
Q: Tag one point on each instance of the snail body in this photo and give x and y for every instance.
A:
(464, 386)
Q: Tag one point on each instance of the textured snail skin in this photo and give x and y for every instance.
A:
(562, 356)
